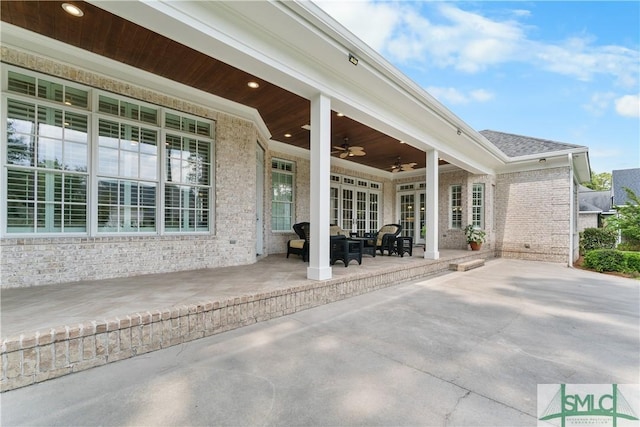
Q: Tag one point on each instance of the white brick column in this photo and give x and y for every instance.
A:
(431, 220)
(319, 268)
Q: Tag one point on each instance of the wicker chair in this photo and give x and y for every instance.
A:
(299, 246)
(384, 239)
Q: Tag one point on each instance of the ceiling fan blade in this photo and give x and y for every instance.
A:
(356, 148)
(395, 170)
(408, 166)
(339, 148)
(358, 153)
(344, 154)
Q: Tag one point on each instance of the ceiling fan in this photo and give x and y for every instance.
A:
(402, 167)
(347, 150)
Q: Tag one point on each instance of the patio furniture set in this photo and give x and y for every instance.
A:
(346, 246)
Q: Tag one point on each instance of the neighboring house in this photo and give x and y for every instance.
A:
(621, 179)
(150, 137)
(595, 206)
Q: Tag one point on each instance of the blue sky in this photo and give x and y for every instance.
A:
(564, 71)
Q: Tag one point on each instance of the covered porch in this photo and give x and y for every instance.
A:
(51, 331)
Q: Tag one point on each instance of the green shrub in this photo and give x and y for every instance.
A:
(632, 260)
(604, 260)
(629, 246)
(613, 260)
(597, 238)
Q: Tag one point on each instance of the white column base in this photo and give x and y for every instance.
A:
(321, 273)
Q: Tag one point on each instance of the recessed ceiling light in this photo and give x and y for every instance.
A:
(340, 114)
(72, 9)
(287, 135)
(401, 142)
(253, 85)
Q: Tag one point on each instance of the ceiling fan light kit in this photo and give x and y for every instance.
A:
(347, 150)
(402, 167)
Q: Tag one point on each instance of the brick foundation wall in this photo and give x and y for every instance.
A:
(35, 357)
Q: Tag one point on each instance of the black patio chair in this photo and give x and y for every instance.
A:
(299, 246)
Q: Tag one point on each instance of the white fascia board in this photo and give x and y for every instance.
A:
(39, 45)
(303, 54)
(580, 159)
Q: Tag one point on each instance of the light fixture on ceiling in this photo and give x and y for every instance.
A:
(253, 85)
(72, 9)
(287, 135)
(353, 59)
(340, 114)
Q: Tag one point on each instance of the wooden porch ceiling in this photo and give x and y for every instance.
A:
(283, 112)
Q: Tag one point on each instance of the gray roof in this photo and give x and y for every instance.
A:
(594, 201)
(518, 145)
(629, 178)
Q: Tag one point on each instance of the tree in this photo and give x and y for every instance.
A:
(628, 219)
(599, 181)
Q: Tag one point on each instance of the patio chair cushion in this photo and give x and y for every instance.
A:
(387, 229)
(336, 230)
(296, 243)
(299, 246)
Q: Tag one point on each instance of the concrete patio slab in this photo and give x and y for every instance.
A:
(461, 349)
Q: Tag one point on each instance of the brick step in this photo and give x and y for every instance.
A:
(464, 266)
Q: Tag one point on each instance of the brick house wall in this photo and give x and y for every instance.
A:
(454, 238)
(232, 241)
(587, 220)
(530, 223)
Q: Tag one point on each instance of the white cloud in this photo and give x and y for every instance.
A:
(453, 96)
(481, 95)
(599, 103)
(450, 37)
(374, 23)
(628, 106)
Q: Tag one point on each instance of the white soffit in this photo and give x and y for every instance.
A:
(292, 45)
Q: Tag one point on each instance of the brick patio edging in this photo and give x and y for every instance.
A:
(50, 353)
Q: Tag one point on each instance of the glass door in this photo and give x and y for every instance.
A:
(412, 208)
(407, 213)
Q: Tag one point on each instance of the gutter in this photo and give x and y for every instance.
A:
(571, 211)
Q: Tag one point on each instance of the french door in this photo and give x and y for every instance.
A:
(411, 209)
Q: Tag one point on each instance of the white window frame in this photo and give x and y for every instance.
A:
(288, 170)
(455, 207)
(477, 205)
(93, 115)
(347, 217)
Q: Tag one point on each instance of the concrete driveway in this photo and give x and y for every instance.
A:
(462, 349)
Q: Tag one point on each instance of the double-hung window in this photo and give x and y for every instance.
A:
(477, 206)
(187, 174)
(46, 156)
(127, 174)
(80, 160)
(282, 199)
(455, 206)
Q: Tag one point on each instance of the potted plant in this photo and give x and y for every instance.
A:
(475, 236)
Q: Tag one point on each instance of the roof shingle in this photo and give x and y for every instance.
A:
(519, 145)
